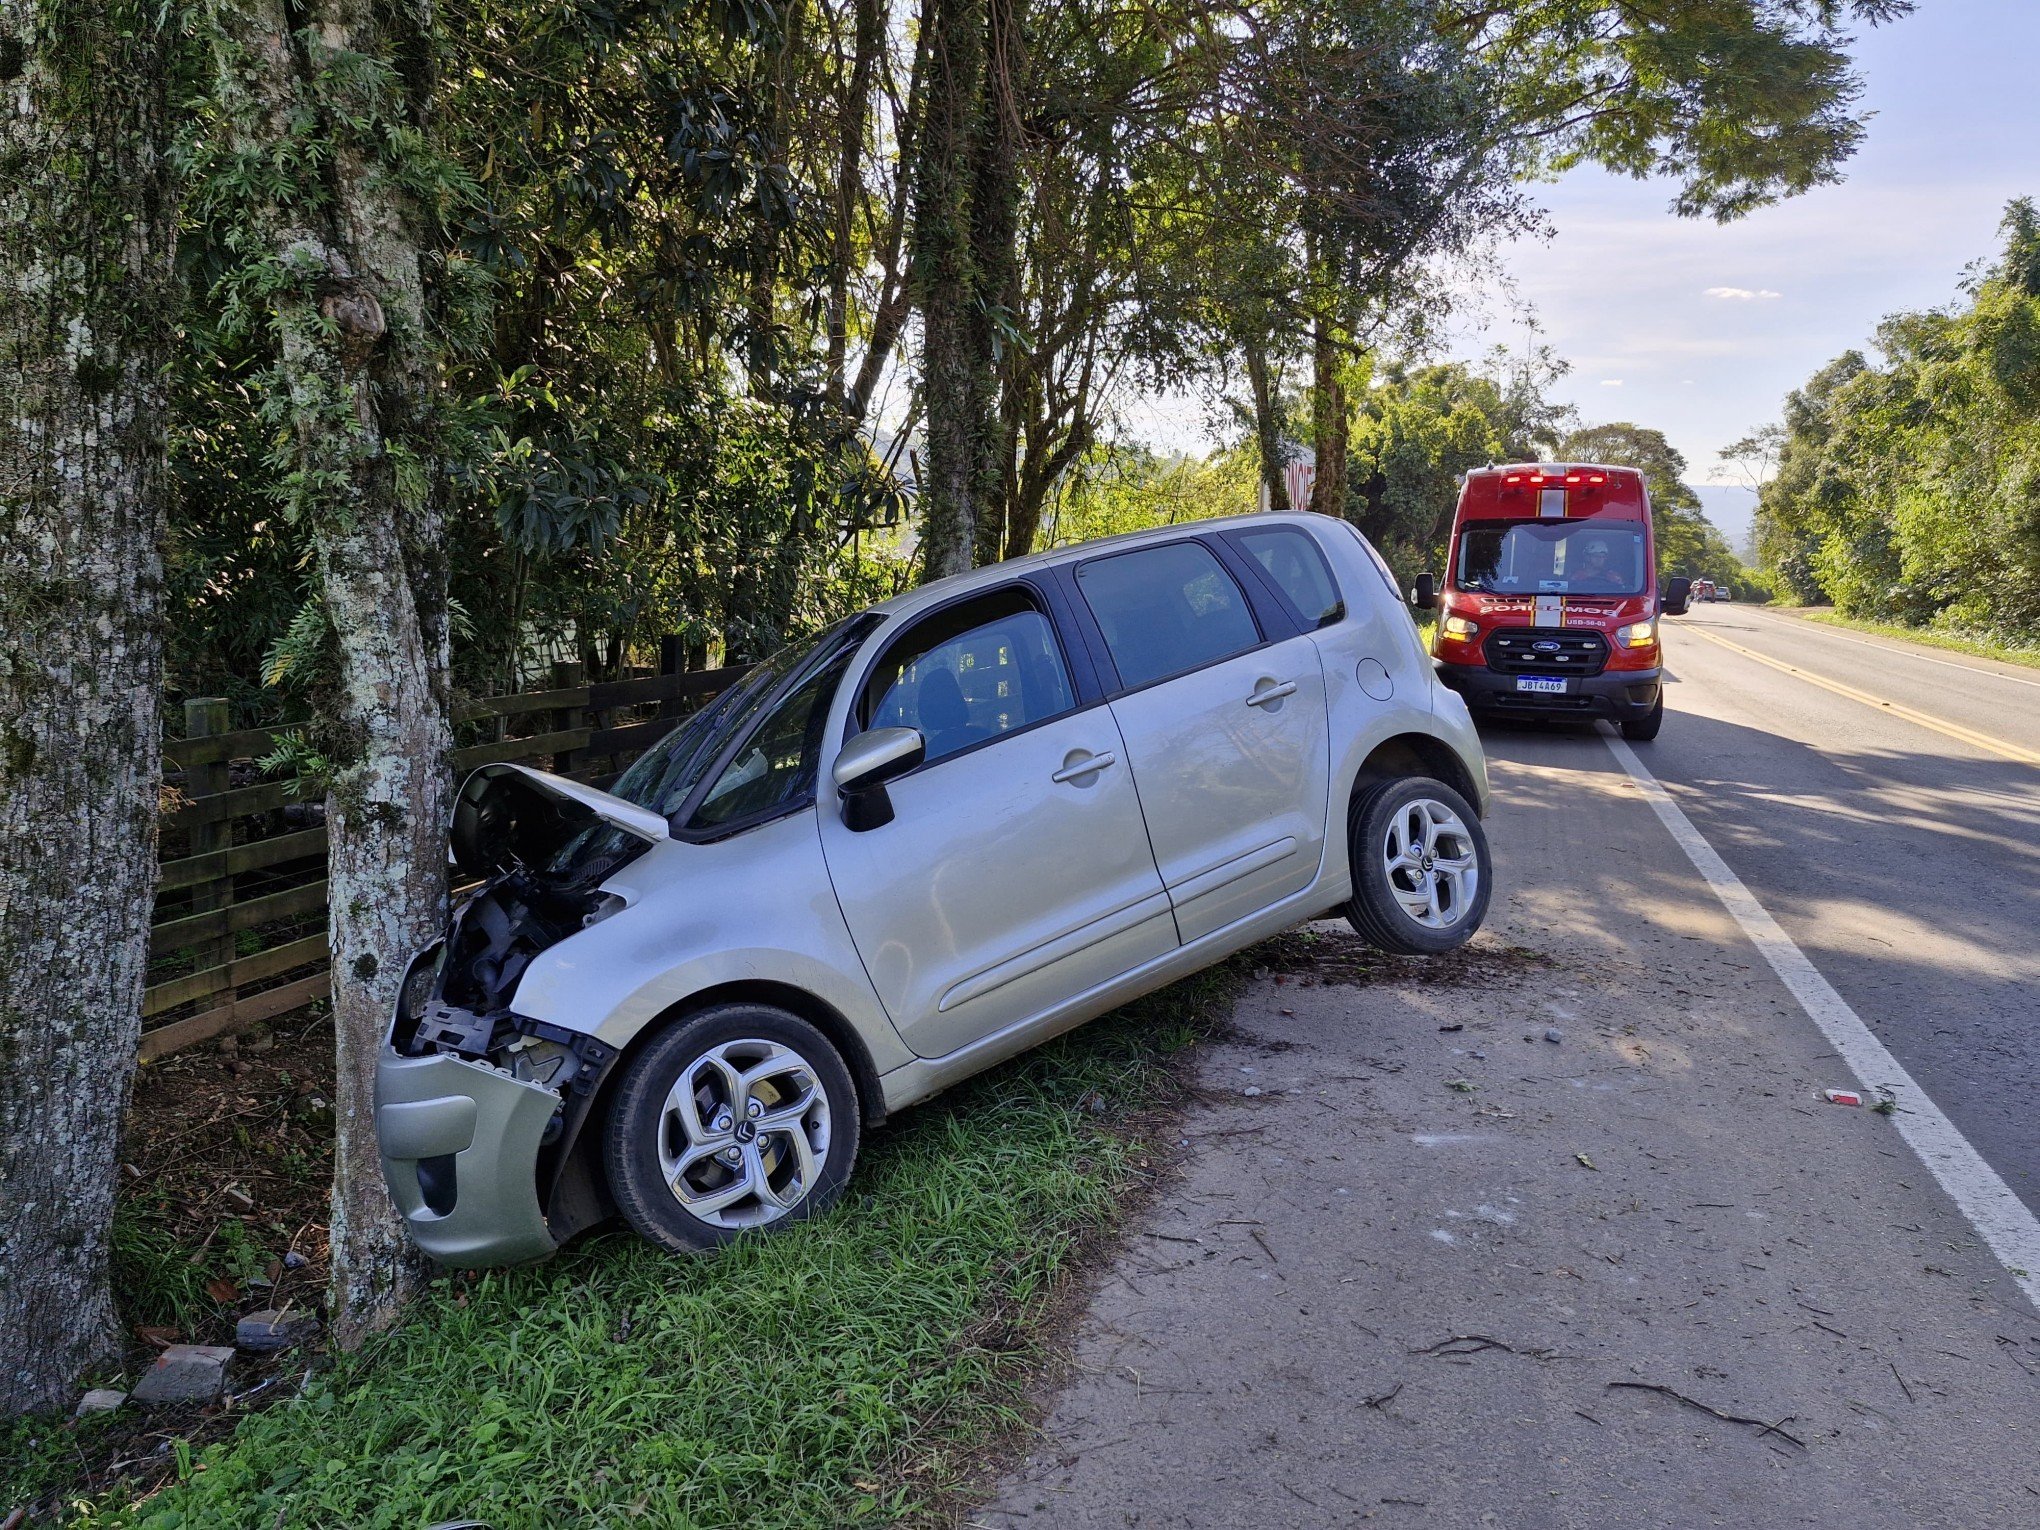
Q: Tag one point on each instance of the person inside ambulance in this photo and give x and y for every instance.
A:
(1598, 574)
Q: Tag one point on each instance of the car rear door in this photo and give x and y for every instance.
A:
(1220, 701)
(1015, 874)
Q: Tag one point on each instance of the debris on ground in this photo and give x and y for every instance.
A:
(1553, 1034)
(99, 1400)
(1586, 1163)
(1842, 1096)
(270, 1330)
(186, 1373)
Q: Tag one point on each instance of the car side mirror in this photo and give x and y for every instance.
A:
(866, 764)
(1678, 590)
(1424, 593)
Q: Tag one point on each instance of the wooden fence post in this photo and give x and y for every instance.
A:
(568, 675)
(672, 661)
(205, 717)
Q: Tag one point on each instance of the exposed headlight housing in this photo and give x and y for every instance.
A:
(1459, 627)
(1637, 634)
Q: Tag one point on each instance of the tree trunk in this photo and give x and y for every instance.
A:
(1267, 428)
(853, 125)
(946, 283)
(1329, 425)
(87, 300)
(361, 372)
(995, 219)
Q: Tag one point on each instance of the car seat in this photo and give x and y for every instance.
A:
(942, 713)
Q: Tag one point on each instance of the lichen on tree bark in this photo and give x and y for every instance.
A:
(86, 314)
(342, 251)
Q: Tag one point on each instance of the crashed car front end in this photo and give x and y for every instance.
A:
(479, 1110)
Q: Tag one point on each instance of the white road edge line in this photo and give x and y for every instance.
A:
(2000, 1218)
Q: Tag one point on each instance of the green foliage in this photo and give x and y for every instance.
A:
(1418, 430)
(1121, 488)
(1909, 491)
(1740, 104)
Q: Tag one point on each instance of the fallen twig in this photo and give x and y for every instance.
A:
(1757, 1424)
(1474, 1343)
(1901, 1382)
(1381, 1400)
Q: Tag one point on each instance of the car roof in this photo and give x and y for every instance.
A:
(942, 590)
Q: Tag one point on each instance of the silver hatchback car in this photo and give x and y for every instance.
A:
(946, 830)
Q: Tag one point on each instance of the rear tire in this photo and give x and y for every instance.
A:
(1642, 730)
(741, 1118)
(1422, 873)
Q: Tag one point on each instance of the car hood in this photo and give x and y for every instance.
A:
(511, 815)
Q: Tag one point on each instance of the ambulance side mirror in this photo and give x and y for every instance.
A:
(1424, 593)
(1678, 590)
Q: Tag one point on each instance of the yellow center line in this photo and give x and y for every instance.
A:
(1964, 735)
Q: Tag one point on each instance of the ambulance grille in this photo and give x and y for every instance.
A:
(1546, 651)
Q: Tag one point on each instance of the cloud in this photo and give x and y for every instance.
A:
(1742, 294)
(1611, 382)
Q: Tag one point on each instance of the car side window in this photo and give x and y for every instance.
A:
(970, 673)
(1297, 567)
(1166, 610)
(775, 766)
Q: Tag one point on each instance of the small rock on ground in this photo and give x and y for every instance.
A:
(185, 1373)
(265, 1332)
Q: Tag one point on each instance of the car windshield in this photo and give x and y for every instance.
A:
(664, 774)
(1551, 558)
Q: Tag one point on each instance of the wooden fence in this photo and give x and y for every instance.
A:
(239, 933)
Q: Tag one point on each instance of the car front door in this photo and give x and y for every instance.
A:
(1015, 873)
(1223, 718)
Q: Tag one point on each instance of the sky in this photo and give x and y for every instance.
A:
(1701, 329)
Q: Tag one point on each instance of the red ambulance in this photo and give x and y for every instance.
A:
(1550, 603)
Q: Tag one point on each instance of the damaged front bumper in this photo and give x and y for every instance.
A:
(459, 1143)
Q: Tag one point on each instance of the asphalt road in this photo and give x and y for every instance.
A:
(1903, 860)
(1421, 1266)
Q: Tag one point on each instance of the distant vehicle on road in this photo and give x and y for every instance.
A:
(1550, 605)
(1703, 589)
(952, 827)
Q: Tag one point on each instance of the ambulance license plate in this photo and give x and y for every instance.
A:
(1541, 685)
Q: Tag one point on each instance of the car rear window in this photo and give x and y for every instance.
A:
(1298, 568)
(1166, 610)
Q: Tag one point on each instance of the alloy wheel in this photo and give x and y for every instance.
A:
(1431, 863)
(744, 1133)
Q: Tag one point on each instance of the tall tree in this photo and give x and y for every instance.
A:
(87, 223)
(322, 106)
(952, 182)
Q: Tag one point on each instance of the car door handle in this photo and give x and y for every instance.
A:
(1271, 693)
(1088, 766)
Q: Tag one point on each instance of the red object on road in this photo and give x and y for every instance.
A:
(1550, 603)
(1843, 1097)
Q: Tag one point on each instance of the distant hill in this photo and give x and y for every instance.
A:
(1733, 510)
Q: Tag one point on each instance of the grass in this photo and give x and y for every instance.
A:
(1955, 642)
(850, 1371)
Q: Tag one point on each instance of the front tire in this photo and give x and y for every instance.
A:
(740, 1118)
(1642, 730)
(1422, 873)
